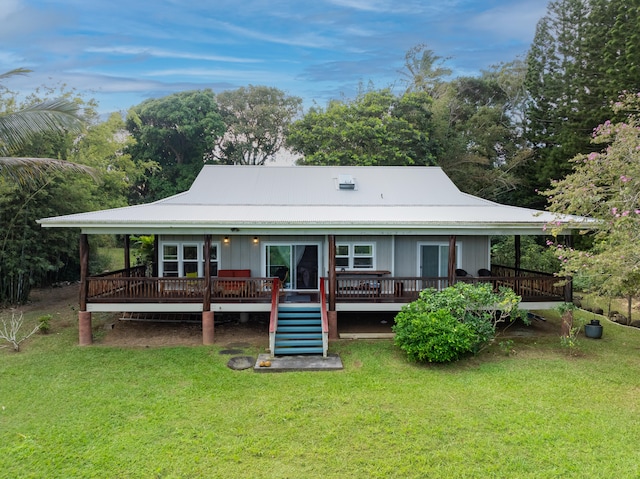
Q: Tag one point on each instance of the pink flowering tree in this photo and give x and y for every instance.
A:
(605, 186)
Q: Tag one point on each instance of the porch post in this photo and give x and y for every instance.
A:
(207, 314)
(156, 256)
(332, 314)
(568, 286)
(451, 270)
(518, 254)
(84, 316)
(127, 255)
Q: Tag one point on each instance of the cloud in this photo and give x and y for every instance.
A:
(160, 53)
(516, 21)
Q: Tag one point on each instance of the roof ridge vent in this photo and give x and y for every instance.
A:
(346, 182)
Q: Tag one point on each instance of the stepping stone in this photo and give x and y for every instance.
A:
(231, 351)
(241, 362)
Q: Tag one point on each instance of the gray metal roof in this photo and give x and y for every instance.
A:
(297, 198)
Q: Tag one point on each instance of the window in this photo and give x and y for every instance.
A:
(186, 259)
(355, 256)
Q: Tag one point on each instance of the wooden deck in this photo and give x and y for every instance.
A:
(136, 288)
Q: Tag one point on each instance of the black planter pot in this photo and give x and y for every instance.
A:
(593, 330)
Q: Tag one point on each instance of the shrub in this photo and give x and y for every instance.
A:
(433, 336)
(441, 326)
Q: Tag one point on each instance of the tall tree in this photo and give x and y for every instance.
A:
(425, 71)
(605, 186)
(256, 120)
(176, 132)
(584, 54)
(376, 128)
(478, 124)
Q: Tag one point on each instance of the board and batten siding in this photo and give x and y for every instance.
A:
(475, 253)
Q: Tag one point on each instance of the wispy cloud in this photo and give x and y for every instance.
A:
(155, 52)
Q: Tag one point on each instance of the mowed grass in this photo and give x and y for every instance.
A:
(68, 411)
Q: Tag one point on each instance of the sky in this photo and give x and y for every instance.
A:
(121, 53)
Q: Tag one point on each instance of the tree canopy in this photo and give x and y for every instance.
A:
(376, 128)
(176, 132)
(605, 185)
(256, 120)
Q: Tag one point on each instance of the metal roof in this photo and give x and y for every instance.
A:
(298, 198)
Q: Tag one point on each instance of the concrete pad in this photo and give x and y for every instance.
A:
(298, 363)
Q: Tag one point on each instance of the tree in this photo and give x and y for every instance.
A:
(376, 128)
(425, 71)
(175, 132)
(18, 126)
(605, 186)
(478, 128)
(583, 55)
(256, 119)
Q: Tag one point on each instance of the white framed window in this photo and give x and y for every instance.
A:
(186, 259)
(354, 256)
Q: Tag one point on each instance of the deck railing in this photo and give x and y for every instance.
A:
(120, 289)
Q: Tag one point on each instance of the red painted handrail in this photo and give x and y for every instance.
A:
(275, 295)
(323, 307)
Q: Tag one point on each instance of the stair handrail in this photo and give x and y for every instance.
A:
(273, 320)
(324, 318)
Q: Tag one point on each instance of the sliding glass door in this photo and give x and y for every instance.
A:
(296, 265)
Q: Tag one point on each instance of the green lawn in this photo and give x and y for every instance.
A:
(67, 412)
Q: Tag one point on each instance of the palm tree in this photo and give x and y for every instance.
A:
(16, 128)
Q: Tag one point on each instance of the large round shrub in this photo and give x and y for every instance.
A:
(441, 326)
(432, 336)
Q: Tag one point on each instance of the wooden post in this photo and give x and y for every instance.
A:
(85, 337)
(451, 270)
(84, 270)
(156, 256)
(518, 254)
(206, 303)
(332, 273)
(127, 255)
(207, 315)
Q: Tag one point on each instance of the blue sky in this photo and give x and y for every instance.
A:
(122, 52)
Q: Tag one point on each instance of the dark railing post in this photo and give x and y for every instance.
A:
(127, 254)
(451, 270)
(332, 273)
(84, 270)
(206, 303)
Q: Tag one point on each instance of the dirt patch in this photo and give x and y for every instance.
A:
(62, 303)
(229, 331)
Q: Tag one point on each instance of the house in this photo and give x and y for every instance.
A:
(278, 239)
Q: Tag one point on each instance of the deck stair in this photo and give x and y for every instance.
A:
(299, 330)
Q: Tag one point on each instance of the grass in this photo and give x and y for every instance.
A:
(67, 411)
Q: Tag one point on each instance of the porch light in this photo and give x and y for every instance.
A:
(226, 240)
(255, 240)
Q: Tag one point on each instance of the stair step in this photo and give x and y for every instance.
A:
(298, 321)
(299, 329)
(295, 351)
(286, 307)
(299, 335)
(299, 314)
(298, 343)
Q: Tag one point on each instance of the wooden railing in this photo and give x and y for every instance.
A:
(116, 289)
(120, 289)
(405, 289)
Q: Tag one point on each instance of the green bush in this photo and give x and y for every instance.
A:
(441, 326)
(435, 337)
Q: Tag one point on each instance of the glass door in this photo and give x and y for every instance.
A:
(296, 265)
